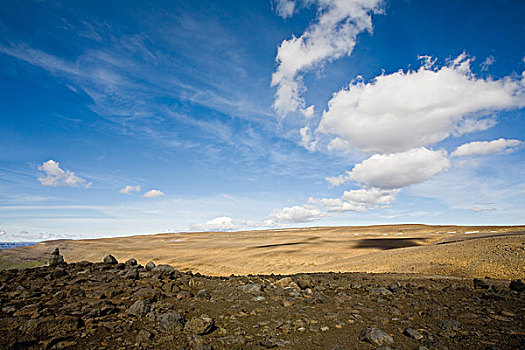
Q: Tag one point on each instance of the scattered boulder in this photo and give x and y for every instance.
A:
(252, 288)
(131, 262)
(480, 284)
(139, 308)
(132, 274)
(305, 281)
(144, 335)
(394, 287)
(110, 260)
(320, 298)
(284, 282)
(171, 322)
(203, 294)
(163, 270)
(451, 325)
(376, 336)
(150, 266)
(517, 286)
(200, 325)
(412, 333)
(379, 291)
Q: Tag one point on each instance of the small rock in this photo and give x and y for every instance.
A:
(355, 285)
(376, 337)
(394, 287)
(110, 260)
(163, 270)
(451, 325)
(379, 291)
(320, 298)
(139, 308)
(170, 322)
(252, 288)
(517, 286)
(150, 266)
(412, 333)
(144, 335)
(200, 325)
(324, 329)
(284, 282)
(132, 274)
(203, 294)
(58, 272)
(480, 284)
(131, 262)
(259, 298)
(305, 281)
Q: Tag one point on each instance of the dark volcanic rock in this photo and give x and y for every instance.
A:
(171, 322)
(200, 325)
(412, 333)
(305, 281)
(150, 266)
(252, 288)
(97, 306)
(110, 260)
(376, 336)
(131, 262)
(480, 284)
(517, 285)
(163, 270)
(139, 308)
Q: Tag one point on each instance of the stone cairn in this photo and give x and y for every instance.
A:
(56, 259)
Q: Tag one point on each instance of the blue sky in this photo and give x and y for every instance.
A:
(130, 117)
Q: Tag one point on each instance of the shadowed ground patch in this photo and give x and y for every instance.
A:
(388, 243)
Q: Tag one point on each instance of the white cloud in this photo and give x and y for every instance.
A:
(371, 196)
(56, 176)
(332, 36)
(399, 111)
(285, 8)
(308, 112)
(484, 207)
(222, 223)
(338, 144)
(306, 139)
(296, 214)
(338, 205)
(130, 189)
(486, 147)
(338, 180)
(358, 200)
(153, 194)
(390, 171)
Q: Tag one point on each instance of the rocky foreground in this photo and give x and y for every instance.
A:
(111, 305)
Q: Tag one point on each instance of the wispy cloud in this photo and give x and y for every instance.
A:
(332, 36)
(128, 189)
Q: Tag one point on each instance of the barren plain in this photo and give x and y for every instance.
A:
(463, 251)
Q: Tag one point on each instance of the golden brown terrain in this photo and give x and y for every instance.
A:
(130, 304)
(462, 251)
